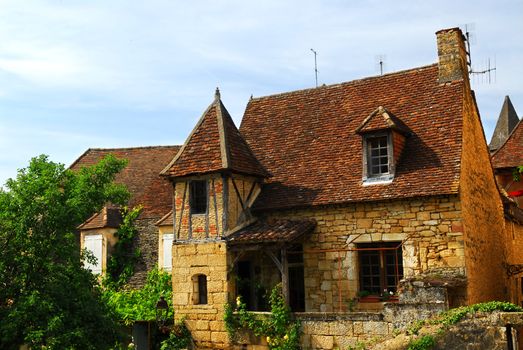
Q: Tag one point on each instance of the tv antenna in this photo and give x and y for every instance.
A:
(486, 73)
(315, 66)
(380, 63)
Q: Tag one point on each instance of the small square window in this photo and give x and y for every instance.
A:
(198, 197)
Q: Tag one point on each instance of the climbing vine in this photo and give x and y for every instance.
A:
(451, 317)
(281, 331)
(120, 265)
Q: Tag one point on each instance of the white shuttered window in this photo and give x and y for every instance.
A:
(93, 243)
(167, 243)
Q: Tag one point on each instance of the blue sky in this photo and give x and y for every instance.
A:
(100, 73)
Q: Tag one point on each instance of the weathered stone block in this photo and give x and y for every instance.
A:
(322, 342)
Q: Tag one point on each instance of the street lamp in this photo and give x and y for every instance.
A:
(162, 309)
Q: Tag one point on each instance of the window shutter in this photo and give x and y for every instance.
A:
(94, 244)
(167, 242)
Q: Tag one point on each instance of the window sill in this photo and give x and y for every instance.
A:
(382, 180)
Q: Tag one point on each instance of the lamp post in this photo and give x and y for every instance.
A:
(162, 309)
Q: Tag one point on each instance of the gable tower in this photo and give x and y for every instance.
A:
(216, 179)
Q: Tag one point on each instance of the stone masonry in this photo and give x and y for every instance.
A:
(431, 228)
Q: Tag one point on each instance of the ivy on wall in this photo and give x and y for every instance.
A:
(281, 331)
(120, 265)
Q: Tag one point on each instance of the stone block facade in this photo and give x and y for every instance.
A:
(431, 230)
(204, 320)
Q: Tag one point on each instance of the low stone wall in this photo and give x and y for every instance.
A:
(331, 330)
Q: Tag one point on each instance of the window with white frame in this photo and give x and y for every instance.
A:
(378, 158)
(167, 243)
(94, 244)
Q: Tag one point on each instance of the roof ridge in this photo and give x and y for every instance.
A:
(345, 82)
(224, 145)
(187, 140)
(132, 147)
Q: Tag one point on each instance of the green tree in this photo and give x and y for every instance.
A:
(47, 299)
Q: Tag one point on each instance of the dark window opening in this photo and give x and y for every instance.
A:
(244, 285)
(198, 197)
(380, 267)
(377, 156)
(202, 289)
(296, 278)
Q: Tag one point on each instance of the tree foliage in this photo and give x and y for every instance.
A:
(132, 305)
(120, 265)
(47, 299)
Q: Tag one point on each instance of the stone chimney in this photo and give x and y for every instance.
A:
(452, 54)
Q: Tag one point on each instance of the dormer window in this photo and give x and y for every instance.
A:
(383, 137)
(378, 156)
(198, 197)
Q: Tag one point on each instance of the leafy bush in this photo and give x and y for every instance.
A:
(140, 305)
(453, 316)
(424, 343)
(280, 330)
(179, 338)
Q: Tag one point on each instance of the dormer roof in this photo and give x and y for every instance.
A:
(507, 121)
(108, 217)
(381, 119)
(215, 145)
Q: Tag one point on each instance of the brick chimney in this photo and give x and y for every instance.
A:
(452, 62)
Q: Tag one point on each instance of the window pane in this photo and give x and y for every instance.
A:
(198, 197)
(202, 289)
(377, 156)
(381, 268)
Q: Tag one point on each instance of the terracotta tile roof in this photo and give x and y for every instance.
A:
(166, 220)
(510, 154)
(141, 176)
(307, 139)
(507, 121)
(272, 232)
(214, 145)
(107, 217)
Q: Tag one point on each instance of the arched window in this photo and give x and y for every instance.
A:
(199, 289)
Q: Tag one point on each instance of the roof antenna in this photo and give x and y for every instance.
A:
(315, 66)
(380, 63)
(470, 38)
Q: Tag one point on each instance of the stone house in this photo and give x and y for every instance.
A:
(147, 189)
(506, 154)
(378, 189)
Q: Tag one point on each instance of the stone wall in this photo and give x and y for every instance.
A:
(333, 331)
(146, 241)
(431, 228)
(205, 321)
(514, 265)
(482, 209)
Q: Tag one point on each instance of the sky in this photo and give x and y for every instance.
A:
(78, 74)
